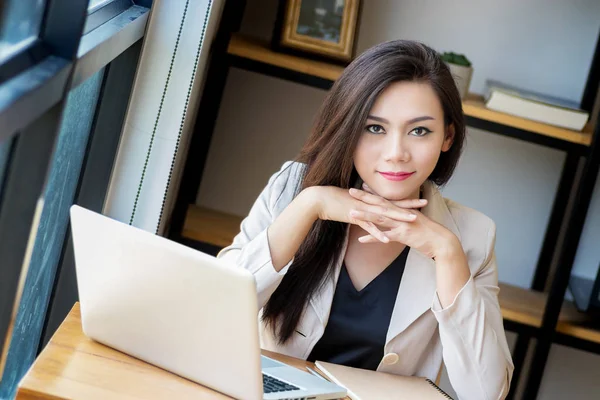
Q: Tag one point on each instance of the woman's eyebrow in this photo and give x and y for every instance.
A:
(419, 119)
(409, 122)
(375, 118)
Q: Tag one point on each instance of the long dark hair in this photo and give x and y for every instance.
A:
(328, 155)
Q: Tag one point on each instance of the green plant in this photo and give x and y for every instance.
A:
(458, 59)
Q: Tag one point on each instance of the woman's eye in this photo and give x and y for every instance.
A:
(421, 131)
(375, 128)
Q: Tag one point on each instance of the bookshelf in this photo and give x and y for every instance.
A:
(539, 312)
(245, 49)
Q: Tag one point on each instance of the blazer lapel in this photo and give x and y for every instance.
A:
(418, 285)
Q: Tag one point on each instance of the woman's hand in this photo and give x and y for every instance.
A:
(424, 235)
(419, 233)
(335, 204)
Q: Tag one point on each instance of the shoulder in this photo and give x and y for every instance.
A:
(477, 231)
(284, 185)
(468, 219)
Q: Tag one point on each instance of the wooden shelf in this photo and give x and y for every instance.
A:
(258, 50)
(579, 330)
(527, 306)
(473, 105)
(518, 305)
(210, 226)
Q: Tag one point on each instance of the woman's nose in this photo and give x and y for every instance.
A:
(396, 149)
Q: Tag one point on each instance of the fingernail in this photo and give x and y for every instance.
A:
(422, 201)
(353, 191)
(353, 212)
(386, 239)
(411, 216)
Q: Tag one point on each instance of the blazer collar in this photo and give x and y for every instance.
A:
(418, 285)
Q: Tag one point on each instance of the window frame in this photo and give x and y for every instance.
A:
(74, 43)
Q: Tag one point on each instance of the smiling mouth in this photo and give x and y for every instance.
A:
(396, 176)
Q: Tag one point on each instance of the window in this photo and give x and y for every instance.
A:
(64, 174)
(20, 22)
(4, 152)
(48, 144)
(94, 3)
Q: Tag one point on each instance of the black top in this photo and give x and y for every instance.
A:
(355, 334)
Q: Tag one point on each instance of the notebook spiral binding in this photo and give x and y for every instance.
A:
(436, 387)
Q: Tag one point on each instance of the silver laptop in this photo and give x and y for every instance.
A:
(179, 309)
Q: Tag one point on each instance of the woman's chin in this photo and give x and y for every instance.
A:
(393, 194)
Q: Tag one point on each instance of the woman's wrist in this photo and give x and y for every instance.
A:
(448, 249)
(311, 201)
(452, 270)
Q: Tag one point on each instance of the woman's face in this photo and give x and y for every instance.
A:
(402, 140)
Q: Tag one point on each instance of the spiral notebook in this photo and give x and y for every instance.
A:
(371, 385)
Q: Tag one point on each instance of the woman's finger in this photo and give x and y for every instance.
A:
(399, 214)
(399, 233)
(373, 239)
(386, 218)
(373, 199)
(410, 203)
(372, 229)
(375, 232)
(378, 219)
(368, 197)
(367, 239)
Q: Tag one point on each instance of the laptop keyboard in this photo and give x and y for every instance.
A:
(274, 385)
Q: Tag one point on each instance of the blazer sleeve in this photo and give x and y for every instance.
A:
(250, 248)
(475, 351)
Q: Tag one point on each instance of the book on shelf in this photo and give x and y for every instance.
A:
(534, 106)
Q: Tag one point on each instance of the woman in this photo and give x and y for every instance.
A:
(358, 259)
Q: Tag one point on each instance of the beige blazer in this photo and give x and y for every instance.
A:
(467, 336)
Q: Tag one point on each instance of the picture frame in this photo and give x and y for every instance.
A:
(321, 29)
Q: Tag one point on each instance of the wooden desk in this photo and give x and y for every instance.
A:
(73, 366)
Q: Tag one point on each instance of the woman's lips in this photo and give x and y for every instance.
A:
(396, 176)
